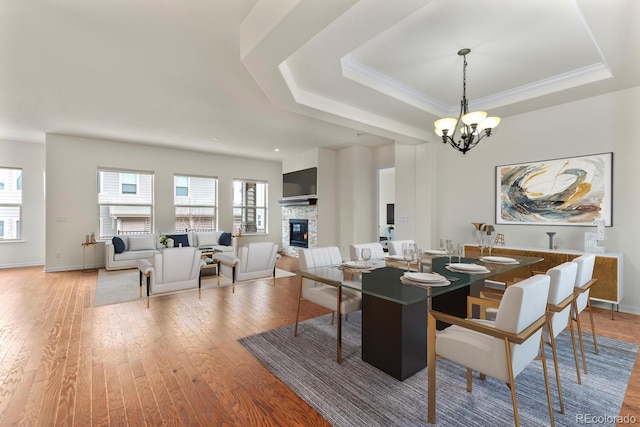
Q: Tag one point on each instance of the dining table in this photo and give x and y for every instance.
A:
(381, 281)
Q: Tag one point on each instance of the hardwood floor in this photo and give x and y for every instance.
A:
(65, 362)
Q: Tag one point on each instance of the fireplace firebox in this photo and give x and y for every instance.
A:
(299, 233)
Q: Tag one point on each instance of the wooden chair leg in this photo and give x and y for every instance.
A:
(148, 288)
(546, 382)
(295, 331)
(575, 349)
(555, 365)
(469, 380)
(512, 384)
(593, 326)
(584, 359)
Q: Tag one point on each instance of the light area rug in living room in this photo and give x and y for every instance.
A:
(355, 393)
(114, 287)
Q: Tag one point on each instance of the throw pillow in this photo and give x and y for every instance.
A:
(179, 238)
(207, 238)
(225, 239)
(118, 244)
(142, 243)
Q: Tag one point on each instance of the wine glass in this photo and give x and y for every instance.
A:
(450, 249)
(408, 256)
(460, 251)
(489, 243)
(366, 255)
(354, 257)
(480, 242)
(441, 244)
(419, 256)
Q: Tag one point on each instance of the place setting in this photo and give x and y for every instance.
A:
(499, 260)
(357, 265)
(469, 268)
(426, 280)
(360, 262)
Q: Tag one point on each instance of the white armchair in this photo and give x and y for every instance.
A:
(320, 293)
(559, 304)
(254, 261)
(172, 269)
(501, 349)
(396, 247)
(377, 252)
(584, 281)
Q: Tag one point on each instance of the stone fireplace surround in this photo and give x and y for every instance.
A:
(308, 212)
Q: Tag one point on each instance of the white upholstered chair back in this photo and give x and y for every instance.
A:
(175, 268)
(585, 265)
(377, 252)
(396, 247)
(522, 304)
(562, 278)
(257, 256)
(322, 294)
(317, 257)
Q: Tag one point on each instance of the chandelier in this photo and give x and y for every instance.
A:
(476, 124)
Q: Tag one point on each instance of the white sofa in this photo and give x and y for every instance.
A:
(145, 246)
(136, 247)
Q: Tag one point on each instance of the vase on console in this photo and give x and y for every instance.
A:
(551, 234)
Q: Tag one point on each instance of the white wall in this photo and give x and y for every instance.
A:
(327, 184)
(465, 190)
(72, 163)
(357, 202)
(29, 250)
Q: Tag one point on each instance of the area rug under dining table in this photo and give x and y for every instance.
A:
(355, 393)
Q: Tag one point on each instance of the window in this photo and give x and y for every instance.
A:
(182, 186)
(129, 183)
(250, 206)
(195, 203)
(125, 203)
(10, 203)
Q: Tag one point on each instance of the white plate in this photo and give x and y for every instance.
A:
(396, 257)
(472, 268)
(407, 281)
(424, 277)
(359, 264)
(499, 260)
(435, 252)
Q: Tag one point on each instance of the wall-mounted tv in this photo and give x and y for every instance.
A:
(300, 183)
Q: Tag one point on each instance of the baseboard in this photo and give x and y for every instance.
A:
(622, 308)
(26, 264)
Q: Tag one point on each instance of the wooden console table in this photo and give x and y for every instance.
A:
(607, 269)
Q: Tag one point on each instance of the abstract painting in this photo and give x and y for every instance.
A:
(568, 191)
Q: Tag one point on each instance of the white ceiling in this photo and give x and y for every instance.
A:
(247, 77)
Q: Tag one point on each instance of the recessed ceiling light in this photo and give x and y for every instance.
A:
(215, 138)
(277, 149)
